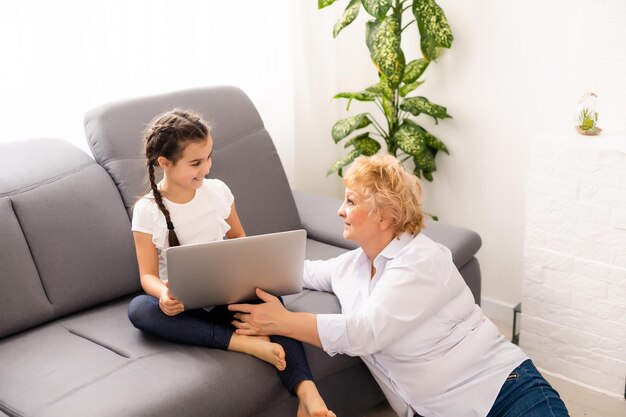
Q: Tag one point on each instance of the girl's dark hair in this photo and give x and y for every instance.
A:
(167, 135)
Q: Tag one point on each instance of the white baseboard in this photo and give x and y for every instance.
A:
(497, 310)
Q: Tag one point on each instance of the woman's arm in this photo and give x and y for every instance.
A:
(317, 275)
(148, 261)
(236, 229)
(403, 300)
(272, 318)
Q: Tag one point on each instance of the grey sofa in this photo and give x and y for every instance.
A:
(68, 271)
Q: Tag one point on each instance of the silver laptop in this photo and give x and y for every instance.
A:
(229, 271)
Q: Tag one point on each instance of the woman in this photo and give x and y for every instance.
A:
(406, 311)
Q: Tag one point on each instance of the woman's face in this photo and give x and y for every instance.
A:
(360, 223)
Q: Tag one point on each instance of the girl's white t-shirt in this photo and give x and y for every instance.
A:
(203, 219)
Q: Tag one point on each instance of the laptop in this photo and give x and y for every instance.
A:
(229, 271)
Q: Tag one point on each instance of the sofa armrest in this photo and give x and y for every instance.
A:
(318, 215)
(463, 243)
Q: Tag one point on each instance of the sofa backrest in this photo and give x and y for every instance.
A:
(65, 240)
(244, 156)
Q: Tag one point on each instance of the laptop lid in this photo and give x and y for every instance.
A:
(229, 271)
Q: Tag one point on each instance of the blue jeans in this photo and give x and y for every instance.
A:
(526, 393)
(212, 329)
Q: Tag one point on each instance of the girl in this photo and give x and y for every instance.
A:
(186, 208)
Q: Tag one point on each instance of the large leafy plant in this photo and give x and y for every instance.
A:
(401, 134)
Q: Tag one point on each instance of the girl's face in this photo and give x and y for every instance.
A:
(360, 223)
(189, 171)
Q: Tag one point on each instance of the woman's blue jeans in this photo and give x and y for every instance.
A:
(526, 393)
(212, 329)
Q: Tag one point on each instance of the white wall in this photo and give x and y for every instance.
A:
(61, 58)
(516, 69)
(574, 290)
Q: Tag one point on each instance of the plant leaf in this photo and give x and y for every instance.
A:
(431, 141)
(418, 105)
(324, 3)
(348, 17)
(407, 88)
(426, 162)
(389, 110)
(377, 8)
(382, 88)
(414, 70)
(433, 27)
(344, 161)
(359, 95)
(375, 89)
(344, 127)
(411, 139)
(429, 177)
(434, 143)
(383, 39)
(370, 27)
(364, 144)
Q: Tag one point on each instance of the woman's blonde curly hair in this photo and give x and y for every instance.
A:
(388, 188)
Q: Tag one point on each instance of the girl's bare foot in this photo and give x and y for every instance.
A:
(311, 402)
(259, 347)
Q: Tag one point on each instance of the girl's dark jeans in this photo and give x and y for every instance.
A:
(212, 329)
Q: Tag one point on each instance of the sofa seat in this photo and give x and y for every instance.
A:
(95, 363)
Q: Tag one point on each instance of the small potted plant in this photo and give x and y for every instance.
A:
(587, 116)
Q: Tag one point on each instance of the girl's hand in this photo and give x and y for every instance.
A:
(169, 305)
(264, 319)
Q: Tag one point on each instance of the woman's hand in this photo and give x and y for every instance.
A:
(264, 319)
(169, 305)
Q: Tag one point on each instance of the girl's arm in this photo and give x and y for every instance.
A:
(236, 229)
(148, 261)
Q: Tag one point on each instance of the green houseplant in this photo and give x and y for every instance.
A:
(402, 136)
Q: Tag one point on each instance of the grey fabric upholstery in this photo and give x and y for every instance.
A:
(59, 217)
(25, 301)
(471, 273)
(95, 363)
(244, 155)
(68, 271)
(318, 215)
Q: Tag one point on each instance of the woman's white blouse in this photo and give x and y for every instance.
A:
(203, 219)
(416, 326)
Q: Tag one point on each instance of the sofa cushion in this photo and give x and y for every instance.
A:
(95, 363)
(25, 303)
(244, 156)
(319, 250)
(70, 240)
(46, 364)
